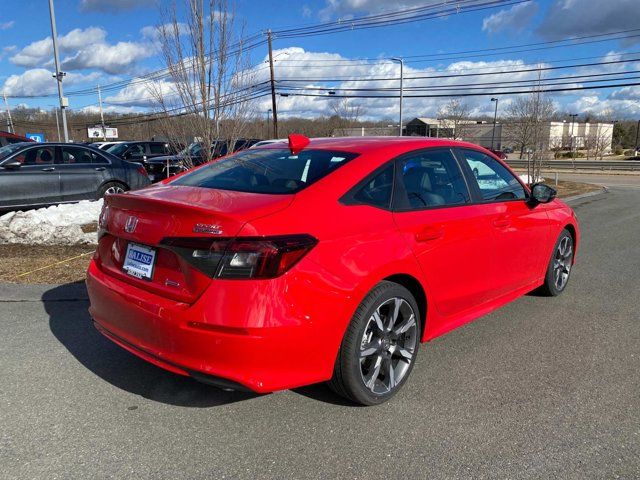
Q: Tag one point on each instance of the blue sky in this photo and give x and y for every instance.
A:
(107, 41)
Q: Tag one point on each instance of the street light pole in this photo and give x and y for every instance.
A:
(273, 87)
(104, 131)
(58, 75)
(495, 118)
(396, 59)
(10, 120)
(573, 120)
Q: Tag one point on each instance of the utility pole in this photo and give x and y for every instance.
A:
(104, 132)
(395, 59)
(495, 118)
(637, 135)
(10, 120)
(273, 88)
(64, 103)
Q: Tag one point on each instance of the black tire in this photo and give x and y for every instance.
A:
(559, 264)
(111, 187)
(348, 375)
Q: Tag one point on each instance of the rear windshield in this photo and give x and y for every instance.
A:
(266, 170)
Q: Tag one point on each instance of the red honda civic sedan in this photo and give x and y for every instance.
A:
(329, 260)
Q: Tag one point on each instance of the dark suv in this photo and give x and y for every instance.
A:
(140, 151)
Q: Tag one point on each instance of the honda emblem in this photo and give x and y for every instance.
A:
(131, 224)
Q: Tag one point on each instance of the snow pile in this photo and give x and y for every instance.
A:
(526, 179)
(55, 225)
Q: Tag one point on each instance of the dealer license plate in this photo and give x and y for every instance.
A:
(139, 261)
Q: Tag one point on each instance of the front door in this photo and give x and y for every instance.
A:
(451, 239)
(35, 182)
(520, 229)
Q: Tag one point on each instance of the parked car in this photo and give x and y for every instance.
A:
(502, 155)
(160, 168)
(323, 260)
(7, 138)
(140, 151)
(106, 145)
(40, 174)
(262, 143)
(507, 150)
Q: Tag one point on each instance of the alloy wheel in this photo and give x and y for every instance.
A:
(562, 261)
(388, 345)
(114, 189)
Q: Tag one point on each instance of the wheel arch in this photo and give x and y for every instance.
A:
(412, 284)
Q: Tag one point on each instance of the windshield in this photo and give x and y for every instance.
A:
(193, 150)
(9, 149)
(118, 149)
(266, 171)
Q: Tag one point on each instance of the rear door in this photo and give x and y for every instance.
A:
(35, 182)
(520, 230)
(81, 173)
(451, 239)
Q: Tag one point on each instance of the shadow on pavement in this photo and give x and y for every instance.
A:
(71, 324)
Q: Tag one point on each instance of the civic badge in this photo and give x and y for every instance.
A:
(131, 224)
(206, 228)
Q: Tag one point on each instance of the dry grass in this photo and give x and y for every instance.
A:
(43, 263)
(569, 189)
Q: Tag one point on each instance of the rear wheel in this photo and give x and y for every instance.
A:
(110, 188)
(380, 346)
(559, 268)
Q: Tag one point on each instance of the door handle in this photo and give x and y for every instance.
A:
(429, 234)
(99, 169)
(49, 169)
(501, 222)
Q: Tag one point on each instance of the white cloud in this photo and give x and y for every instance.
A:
(113, 6)
(153, 32)
(516, 18)
(39, 81)
(108, 58)
(85, 49)
(7, 25)
(109, 109)
(570, 18)
(8, 50)
(140, 93)
(40, 52)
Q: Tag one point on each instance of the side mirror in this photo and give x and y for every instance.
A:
(541, 193)
(12, 165)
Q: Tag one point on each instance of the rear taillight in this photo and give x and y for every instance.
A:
(242, 257)
(142, 171)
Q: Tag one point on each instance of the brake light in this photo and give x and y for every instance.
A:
(242, 257)
(142, 171)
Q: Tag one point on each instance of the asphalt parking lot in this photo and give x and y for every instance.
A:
(542, 388)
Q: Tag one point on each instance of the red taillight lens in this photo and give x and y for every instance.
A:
(244, 257)
(142, 171)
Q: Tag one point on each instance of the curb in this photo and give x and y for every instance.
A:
(586, 195)
(69, 292)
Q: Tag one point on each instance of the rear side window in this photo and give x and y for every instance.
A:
(495, 182)
(266, 171)
(75, 155)
(158, 148)
(431, 178)
(377, 191)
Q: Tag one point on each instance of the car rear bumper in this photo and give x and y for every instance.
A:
(243, 334)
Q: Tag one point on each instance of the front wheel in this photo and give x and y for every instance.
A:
(380, 346)
(559, 268)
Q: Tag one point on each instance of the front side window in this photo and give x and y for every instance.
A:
(75, 155)
(377, 191)
(157, 148)
(431, 178)
(266, 171)
(36, 156)
(494, 180)
(9, 150)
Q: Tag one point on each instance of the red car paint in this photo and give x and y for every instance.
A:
(277, 333)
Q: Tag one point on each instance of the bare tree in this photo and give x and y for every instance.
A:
(598, 141)
(210, 79)
(455, 117)
(346, 113)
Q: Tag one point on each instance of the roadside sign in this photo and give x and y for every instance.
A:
(36, 137)
(96, 132)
